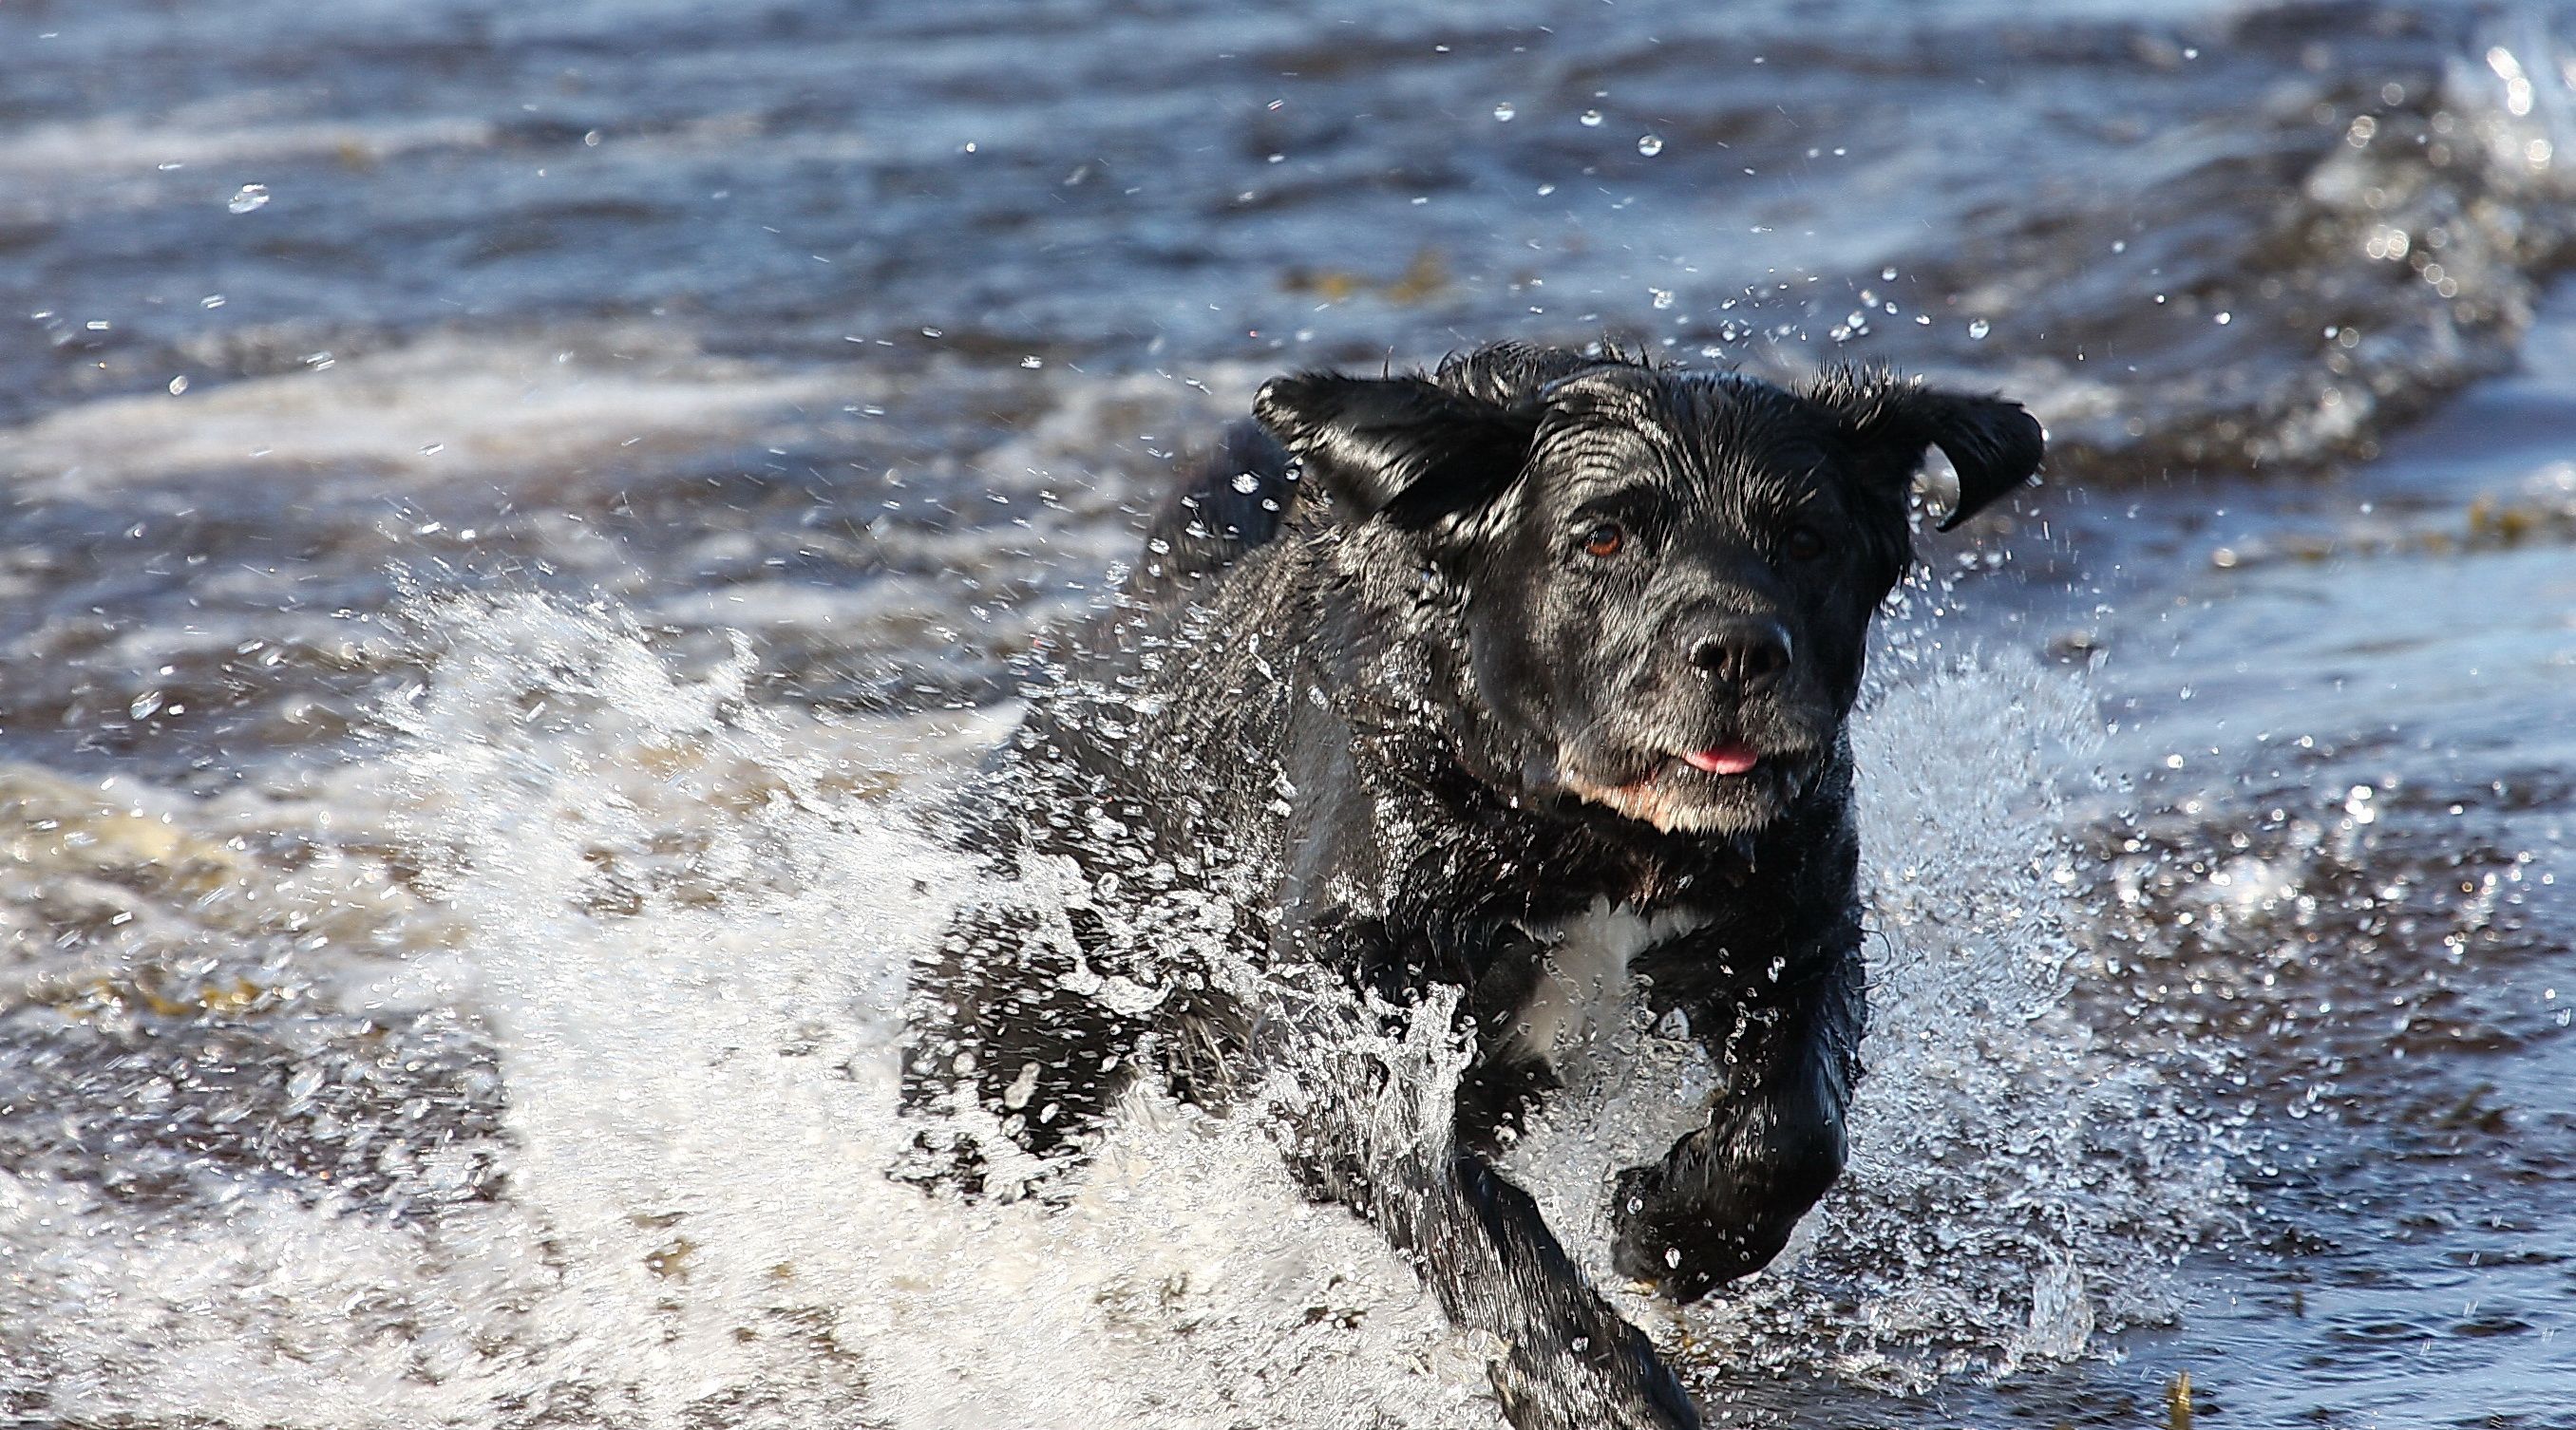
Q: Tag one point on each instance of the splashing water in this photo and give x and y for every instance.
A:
(2009, 1170)
(679, 921)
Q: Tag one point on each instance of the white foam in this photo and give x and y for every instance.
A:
(1187, 1284)
(445, 408)
(209, 135)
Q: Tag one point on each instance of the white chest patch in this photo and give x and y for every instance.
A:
(1585, 994)
(1625, 1090)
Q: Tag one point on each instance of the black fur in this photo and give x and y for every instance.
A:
(1375, 724)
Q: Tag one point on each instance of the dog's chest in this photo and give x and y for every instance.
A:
(1584, 992)
(1623, 1092)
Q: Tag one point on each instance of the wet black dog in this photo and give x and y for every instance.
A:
(1525, 675)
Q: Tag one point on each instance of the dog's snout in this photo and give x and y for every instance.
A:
(1743, 652)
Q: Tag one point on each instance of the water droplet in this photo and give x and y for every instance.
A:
(248, 197)
(1978, 329)
(1650, 145)
(1504, 112)
(1663, 297)
(1246, 483)
(144, 704)
(1033, 360)
(1887, 273)
(1592, 119)
(2225, 318)
(178, 384)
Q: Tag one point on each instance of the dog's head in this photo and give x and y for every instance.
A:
(1668, 577)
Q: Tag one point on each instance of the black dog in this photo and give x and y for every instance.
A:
(1417, 678)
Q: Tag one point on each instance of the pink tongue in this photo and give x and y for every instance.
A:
(1732, 759)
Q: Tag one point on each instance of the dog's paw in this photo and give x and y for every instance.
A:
(1685, 1247)
(1611, 1380)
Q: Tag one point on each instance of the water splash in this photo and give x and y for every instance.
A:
(2014, 1182)
(679, 921)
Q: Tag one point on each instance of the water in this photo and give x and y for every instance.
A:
(509, 509)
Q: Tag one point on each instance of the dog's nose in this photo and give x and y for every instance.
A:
(1744, 652)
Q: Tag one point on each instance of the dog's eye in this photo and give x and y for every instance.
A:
(1605, 539)
(1803, 544)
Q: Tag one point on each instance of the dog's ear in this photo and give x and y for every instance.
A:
(1398, 446)
(1994, 444)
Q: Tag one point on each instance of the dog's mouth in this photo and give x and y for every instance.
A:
(1733, 764)
(1735, 757)
(1727, 787)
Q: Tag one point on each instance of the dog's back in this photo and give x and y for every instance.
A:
(1228, 501)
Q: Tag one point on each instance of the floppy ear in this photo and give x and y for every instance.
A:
(1400, 446)
(1994, 444)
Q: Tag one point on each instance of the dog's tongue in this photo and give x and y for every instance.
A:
(1732, 758)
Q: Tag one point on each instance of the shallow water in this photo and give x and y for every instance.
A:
(455, 743)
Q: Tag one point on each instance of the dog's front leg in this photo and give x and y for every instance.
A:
(1725, 1199)
(1568, 1361)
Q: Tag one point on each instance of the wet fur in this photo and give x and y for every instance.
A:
(1376, 714)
